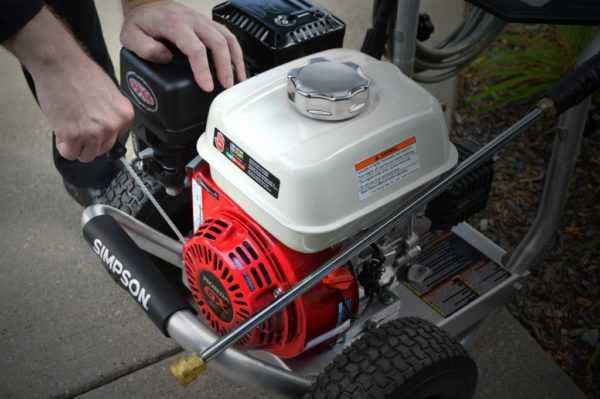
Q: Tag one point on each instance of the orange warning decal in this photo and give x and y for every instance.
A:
(385, 153)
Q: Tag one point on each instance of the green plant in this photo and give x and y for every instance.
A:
(525, 62)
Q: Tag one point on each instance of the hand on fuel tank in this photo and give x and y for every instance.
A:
(148, 21)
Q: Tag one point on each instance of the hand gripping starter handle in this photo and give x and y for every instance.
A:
(133, 270)
(582, 82)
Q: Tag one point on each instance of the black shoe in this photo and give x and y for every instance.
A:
(85, 196)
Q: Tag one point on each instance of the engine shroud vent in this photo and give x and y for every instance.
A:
(273, 32)
(230, 280)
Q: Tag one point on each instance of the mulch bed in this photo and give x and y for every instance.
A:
(560, 305)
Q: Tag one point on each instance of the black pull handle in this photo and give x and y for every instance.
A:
(133, 270)
(582, 82)
(117, 152)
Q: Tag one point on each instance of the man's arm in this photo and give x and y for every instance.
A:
(148, 21)
(81, 103)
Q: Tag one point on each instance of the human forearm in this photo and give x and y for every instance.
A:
(44, 44)
(82, 104)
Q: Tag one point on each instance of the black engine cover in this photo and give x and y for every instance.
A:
(273, 32)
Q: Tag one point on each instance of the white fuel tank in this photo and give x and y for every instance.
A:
(314, 182)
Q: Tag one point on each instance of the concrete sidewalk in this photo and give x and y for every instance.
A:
(67, 330)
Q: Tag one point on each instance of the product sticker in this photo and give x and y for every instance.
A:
(246, 163)
(387, 168)
(459, 273)
(197, 203)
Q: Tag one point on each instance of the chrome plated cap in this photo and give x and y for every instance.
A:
(328, 90)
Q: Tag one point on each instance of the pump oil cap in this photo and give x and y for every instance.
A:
(328, 90)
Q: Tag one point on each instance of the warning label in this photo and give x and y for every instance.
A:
(387, 168)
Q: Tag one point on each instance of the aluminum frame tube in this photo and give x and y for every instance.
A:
(565, 152)
(405, 35)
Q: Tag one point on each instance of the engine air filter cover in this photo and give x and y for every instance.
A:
(273, 32)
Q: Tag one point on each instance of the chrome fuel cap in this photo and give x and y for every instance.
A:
(328, 90)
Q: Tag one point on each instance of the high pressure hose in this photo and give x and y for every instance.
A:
(447, 57)
(458, 49)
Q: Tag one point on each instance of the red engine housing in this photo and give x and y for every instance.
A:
(234, 268)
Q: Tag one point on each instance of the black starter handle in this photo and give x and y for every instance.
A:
(117, 152)
(582, 82)
(133, 270)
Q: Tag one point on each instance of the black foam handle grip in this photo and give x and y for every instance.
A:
(131, 268)
(582, 82)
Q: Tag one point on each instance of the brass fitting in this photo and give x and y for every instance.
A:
(188, 368)
(548, 107)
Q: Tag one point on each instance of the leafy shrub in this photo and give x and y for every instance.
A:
(525, 62)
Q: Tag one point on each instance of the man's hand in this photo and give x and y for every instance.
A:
(148, 21)
(81, 103)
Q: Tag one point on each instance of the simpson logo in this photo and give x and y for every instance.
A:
(142, 93)
(116, 268)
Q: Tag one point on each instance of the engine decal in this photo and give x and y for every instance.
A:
(216, 296)
(246, 163)
(459, 274)
(387, 168)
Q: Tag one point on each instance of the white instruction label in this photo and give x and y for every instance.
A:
(387, 168)
(197, 203)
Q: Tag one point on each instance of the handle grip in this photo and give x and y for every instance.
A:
(131, 268)
(117, 152)
(582, 82)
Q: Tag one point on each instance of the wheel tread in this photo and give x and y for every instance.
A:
(386, 357)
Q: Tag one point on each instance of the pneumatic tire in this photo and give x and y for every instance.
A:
(407, 358)
(124, 194)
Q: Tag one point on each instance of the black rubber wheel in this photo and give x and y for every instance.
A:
(404, 359)
(124, 194)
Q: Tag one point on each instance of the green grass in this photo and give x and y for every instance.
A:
(525, 62)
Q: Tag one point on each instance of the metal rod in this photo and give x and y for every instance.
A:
(371, 236)
(405, 35)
